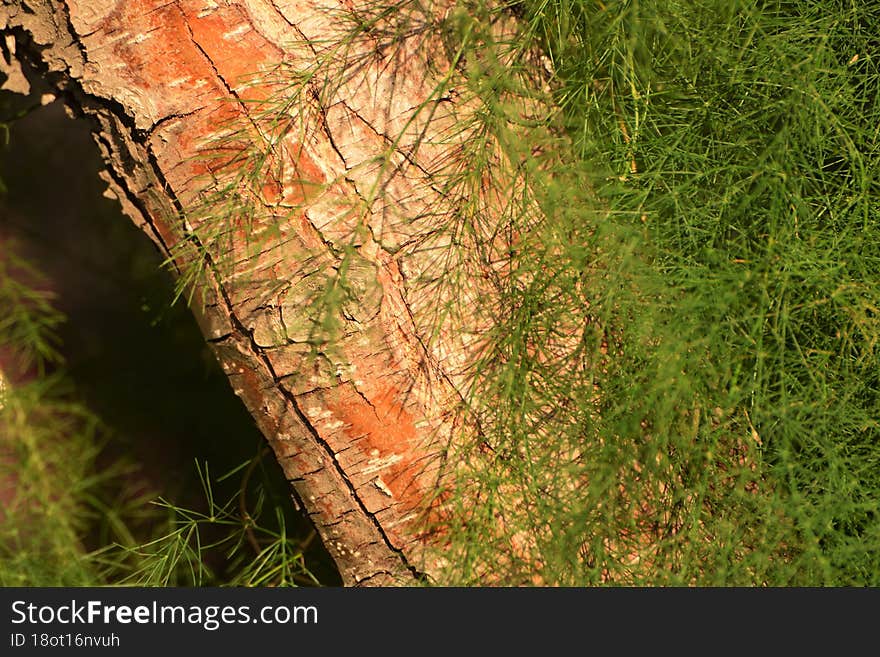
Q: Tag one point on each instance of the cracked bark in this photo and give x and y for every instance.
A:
(360, 432)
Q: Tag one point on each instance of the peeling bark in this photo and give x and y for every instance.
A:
(360, 430)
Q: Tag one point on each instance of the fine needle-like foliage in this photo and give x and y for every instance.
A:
(686, 391)
(74, 516)
(243, 541)
(47, 443)
(732, 434)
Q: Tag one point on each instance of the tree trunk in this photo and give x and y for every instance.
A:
(360, 416)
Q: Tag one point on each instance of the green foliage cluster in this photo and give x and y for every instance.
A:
(685, 389)
(242, 541)
(45, 483)
(44, 478)
(75, 516)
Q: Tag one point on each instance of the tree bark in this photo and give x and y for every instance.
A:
(361, 426)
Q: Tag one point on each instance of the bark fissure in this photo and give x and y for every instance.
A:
(121, 183)
(333, 454)
(230, 90)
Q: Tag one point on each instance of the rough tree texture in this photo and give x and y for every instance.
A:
(361, 431)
